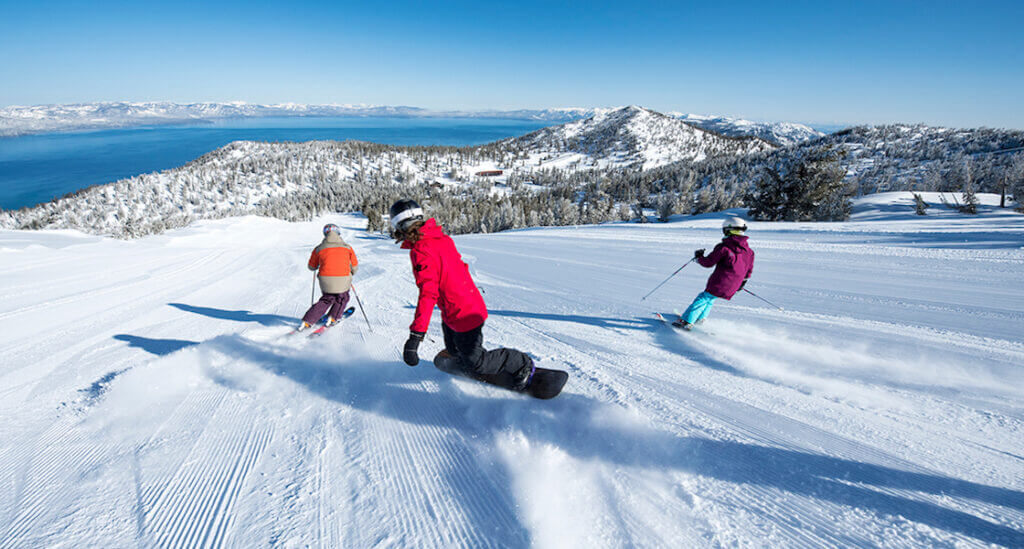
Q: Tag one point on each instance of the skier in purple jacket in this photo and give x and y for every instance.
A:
(733, 261)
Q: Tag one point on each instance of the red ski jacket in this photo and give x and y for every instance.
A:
(443, 279)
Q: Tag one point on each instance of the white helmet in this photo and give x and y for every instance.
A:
(404, 212)
(734, 223)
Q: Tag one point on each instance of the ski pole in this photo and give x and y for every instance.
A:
(312, 291)
(763, 299)
(360, 303)
(667, 279)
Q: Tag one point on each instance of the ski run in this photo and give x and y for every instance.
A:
(149, 396)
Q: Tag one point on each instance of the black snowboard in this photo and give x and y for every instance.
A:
(544, 384)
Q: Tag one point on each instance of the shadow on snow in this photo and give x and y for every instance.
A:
(598, 321)
(237, 316)
(159, 347)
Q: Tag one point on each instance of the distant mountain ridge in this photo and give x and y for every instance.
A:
(23, 120)
(780, 133)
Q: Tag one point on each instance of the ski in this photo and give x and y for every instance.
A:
(319, 331)
(674, 321)
(671, 320)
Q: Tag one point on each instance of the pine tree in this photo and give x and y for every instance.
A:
(920, 206)
(802, 189)
(970, 195)
(1016, 176)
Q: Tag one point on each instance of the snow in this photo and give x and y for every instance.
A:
(148, 395)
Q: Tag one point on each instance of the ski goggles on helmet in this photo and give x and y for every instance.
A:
(402, 218)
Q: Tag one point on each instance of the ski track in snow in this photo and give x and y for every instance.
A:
(150, 397)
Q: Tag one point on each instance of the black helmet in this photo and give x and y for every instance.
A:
(403, 213)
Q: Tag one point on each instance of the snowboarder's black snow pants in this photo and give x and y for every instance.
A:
(506, 368)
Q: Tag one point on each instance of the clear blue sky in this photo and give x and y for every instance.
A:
(952, 63)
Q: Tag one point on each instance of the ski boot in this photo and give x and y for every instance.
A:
(682, 324)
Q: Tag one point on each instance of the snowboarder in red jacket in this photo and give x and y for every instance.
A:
(444, 280)
(733, 261)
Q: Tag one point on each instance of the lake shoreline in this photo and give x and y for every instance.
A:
(38, 168)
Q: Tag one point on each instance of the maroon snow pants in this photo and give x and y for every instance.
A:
(335, 302)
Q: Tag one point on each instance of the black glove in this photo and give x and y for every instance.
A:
(742, 284)
(698, 253)
(409, 354)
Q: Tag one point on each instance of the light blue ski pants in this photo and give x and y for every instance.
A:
(699, 309)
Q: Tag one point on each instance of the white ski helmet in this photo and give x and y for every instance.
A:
(734, 224)
(404, 213)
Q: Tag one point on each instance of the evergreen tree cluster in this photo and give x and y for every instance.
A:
(803, 188)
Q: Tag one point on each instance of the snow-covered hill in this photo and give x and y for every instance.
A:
(895, 157)
(900, 153)
(148, 396)
(20, 120)
(631, 136)
(781, 133)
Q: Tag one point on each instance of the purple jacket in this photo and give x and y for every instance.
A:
(733, 261)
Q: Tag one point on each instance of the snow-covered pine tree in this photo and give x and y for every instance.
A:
(969, 192)
(920, 206)
(667, 206)
(810, 188)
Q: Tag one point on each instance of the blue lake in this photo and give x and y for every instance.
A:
(38, 168)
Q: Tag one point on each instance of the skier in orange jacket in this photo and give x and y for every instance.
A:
(336, 262)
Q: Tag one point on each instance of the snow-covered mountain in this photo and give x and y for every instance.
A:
(630, 136)
(149, 396)
(781, 133)
(19, 120)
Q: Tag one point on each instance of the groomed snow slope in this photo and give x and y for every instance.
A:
(148, 395)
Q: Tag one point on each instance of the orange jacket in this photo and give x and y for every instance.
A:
(337, 263)
(333, 260)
